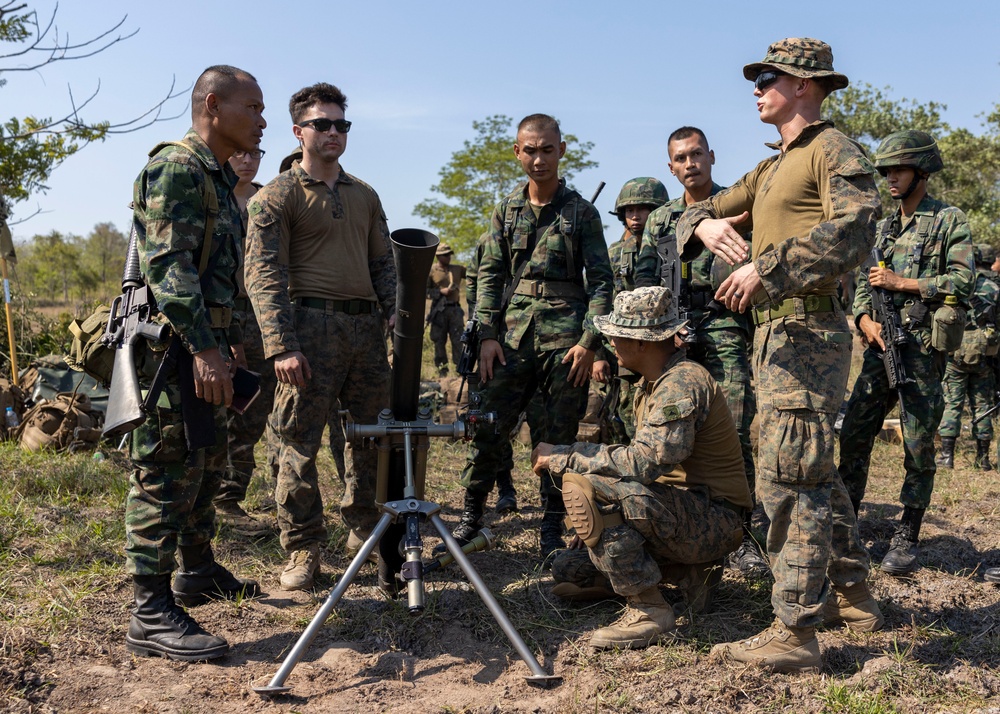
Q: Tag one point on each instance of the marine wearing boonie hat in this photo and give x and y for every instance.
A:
(799, 57)
(648, 314)
(443, 249)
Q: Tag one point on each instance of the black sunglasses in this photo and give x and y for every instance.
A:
(323, 125)
(766, 79)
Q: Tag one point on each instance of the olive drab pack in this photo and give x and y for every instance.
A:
(67, 423)
(89, 352)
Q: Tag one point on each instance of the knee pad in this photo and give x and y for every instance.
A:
(582, 510)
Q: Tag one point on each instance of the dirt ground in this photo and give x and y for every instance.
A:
(939, 652)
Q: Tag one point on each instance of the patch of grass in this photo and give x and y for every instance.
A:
(846, 699)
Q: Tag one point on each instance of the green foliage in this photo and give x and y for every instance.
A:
(479, 174)
(971, 175)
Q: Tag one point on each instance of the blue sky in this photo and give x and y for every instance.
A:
(418, 74)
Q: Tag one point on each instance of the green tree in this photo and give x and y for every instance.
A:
(479, 174)
(52, 268)
(32, 147)
(970, 179)
(104, 257)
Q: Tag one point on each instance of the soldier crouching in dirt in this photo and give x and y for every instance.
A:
(667, 507)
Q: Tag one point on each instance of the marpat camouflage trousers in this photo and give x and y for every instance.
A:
(348, 359)
(664, 525)
(801, 363)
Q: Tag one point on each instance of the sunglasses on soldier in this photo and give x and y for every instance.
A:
(323, 125)
(766, 79)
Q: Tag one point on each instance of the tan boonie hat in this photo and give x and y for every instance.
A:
(800, 57)
(443, 249)
(648, 314)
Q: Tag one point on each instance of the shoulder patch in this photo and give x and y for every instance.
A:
(671, 412)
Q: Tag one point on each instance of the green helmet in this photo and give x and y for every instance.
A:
(915, 149)
(985, 255)
(641, 191)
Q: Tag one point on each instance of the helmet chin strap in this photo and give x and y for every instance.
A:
(917, 177)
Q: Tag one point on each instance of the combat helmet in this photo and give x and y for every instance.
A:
(640, 191)
(914, 149)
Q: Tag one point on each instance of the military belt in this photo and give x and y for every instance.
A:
(550, 289)
(793, 306)
(242, 304)
(220, 317)
(350, 307)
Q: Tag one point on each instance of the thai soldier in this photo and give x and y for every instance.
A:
(971, 371)
(928, 265)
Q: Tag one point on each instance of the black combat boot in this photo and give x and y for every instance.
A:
(468, 527)
(903, 548)
(552, 524)
(160, 627)
(506, 495)
(946, 458)
(201, 579)
(983, 455)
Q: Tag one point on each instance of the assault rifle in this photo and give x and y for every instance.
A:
(130, 319)
(893, 336)
(468, 361)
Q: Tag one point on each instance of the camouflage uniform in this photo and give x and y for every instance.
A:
(622, 254)
(671, 515)
(971, 370)
(538, 331)
(445, 317)
(813, 208)
(245, 430)
(170, 500)
(342, 339)
(620, 426)
(936, 236)
(721, 337)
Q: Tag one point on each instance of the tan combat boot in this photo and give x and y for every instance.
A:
(302, 569)
(853, 607)
(354, 542)
(647, 618)
(780, 648)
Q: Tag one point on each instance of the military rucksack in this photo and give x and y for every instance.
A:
(69, 422)
(11, 396)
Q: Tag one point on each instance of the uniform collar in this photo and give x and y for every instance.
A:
(306, 180)
(808, 132)
(520, 197)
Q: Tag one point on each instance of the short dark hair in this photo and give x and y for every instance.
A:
(220, 80)
(540, 122)
(320, 93)
(685, 132)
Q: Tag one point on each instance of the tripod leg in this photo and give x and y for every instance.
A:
(277, 683)
(538, 675)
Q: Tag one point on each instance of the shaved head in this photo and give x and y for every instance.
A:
(222, 80)
(540, 123)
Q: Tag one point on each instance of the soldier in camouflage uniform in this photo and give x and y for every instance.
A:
(318, 266)
(971, 370)
(718, 338)
(928, 263)
(544, 341)
(444, 287)
(814, 208)
(245, 429)
(169, 505)
(637, 199)
(675, 496)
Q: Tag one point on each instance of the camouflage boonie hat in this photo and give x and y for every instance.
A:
(911, 148)
(648, 314)
(799, 57)
(286, 163)
(640, 191)
(443, 249)
(986, 254)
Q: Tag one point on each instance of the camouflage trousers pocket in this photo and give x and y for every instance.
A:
(800, 573)
(161, 438)
(796, 447)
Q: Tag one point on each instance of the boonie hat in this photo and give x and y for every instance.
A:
(799, 57)
(648, 314)
(443, 249)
